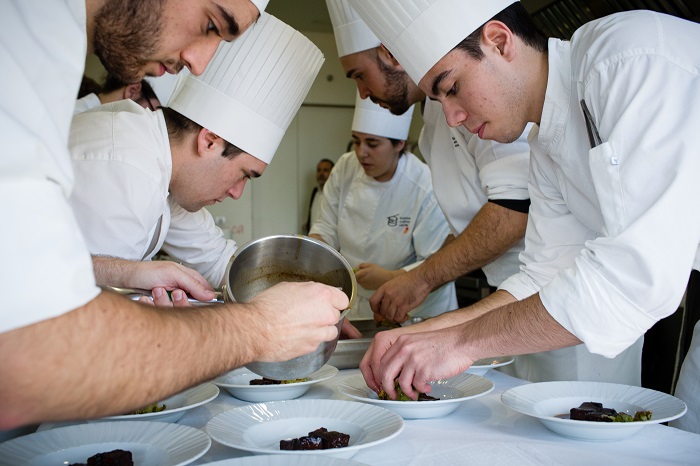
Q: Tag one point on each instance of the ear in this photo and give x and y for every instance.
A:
(132, 91)
(208, 143)
(498, 37)
(400, 146)
(388, 58)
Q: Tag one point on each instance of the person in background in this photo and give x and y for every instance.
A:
(610, 242)
(142, 179)
(482, 188)
(102, 353)
(379, 210)
(114, 90)
(323, 171)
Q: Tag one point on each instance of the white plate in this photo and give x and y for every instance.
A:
(450, 393)
(151, 444)
(237, 382)
(482, 365)
(259, 428)
(547, 400)
(286, 460)
(175, 406)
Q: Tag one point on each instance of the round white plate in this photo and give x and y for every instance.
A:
(259, 428)
(175, 406)
(450, 393)
(237, 383)
(482, 365)
(151, 444)
(550, 402)
(286, 460)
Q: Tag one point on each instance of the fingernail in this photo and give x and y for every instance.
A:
(158, 292)
(178, 295)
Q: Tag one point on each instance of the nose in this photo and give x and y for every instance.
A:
(364, 91)
(237, 190)
(198, 55)
(454, 115)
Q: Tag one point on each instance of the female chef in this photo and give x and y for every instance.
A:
(380, 211)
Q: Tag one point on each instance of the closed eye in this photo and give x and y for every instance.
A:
(211, 27)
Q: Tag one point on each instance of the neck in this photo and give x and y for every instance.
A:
(181, 150)
(91, 9)
(537, 83)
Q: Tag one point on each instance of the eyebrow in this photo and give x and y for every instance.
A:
(230, 21)
(350, 73)
(438, 79)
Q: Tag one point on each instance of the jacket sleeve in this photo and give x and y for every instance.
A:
(195, 239)
(327, 223)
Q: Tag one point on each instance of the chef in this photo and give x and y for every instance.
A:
(610, 243)
(142, 179)
(102, 353)
(481, 187)
(115, 89)
(379, 210)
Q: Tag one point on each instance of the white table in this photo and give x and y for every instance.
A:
(482, 431)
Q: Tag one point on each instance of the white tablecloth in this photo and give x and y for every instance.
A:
(482, 431)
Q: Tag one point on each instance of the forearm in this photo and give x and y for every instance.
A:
(112, 271)
(492, 232)
(520, 327)
(114, 355)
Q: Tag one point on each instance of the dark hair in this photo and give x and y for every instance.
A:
(396, 142)
(148, 93)
(112, 83)
(88, 86)
(328, 161)
(179, 126)
(519, 21)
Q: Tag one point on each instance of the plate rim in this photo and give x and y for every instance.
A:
(203, 386)
(122, 427)
(417, 404)
(510, 394)
(396, 418)
(332, 372)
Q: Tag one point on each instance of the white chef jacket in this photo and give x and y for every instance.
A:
(612, 235)
(42, 51)
(488, 170)
(315, 212)
(87, 102)
(394, 224)
(123, 165)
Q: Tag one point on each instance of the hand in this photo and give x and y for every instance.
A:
(292, 319)
(371, 276)
(399, 296)
(159, 297)
(418, 358)
(150, 275)
(349, 331)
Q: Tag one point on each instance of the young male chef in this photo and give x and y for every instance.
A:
(481, 187)
(610, 241)
(102, 353)
(142, 178)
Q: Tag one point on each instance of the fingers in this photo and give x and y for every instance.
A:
(179, 299)
(160, 297)
(349, 331)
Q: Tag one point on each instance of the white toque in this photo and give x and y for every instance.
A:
(370, 118)
(351, 34)
(420, 32)
(253, 86)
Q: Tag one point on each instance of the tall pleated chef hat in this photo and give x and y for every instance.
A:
(261, 4)
(253, 86)
(370, 118)
(420, 32)
(351, 34)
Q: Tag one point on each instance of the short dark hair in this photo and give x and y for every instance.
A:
(112, 83)
(88, 86)
(396, 142)
(518, 20)
(179, 126)
(147, 92)
(328, 161)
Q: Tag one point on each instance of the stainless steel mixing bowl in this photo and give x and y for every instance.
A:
(291, 258)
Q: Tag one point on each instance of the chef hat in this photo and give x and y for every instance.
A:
(370, 118)
(253, 86)
(351, 34)
(261, 4)
(420, 32)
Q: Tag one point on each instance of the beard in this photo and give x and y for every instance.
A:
(127, 33)
(396, 89)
